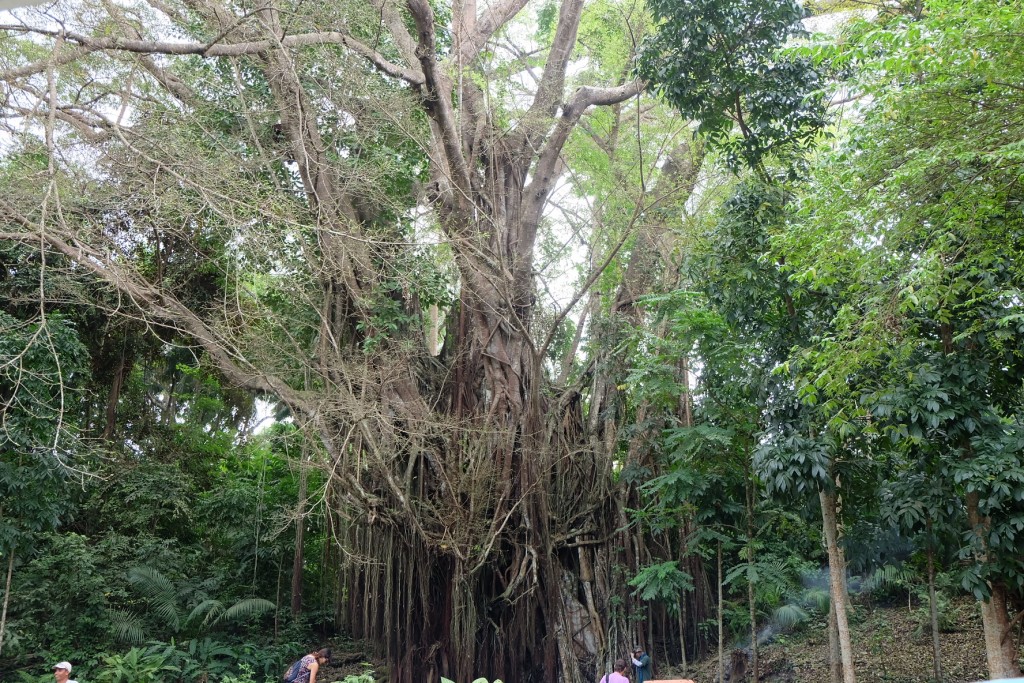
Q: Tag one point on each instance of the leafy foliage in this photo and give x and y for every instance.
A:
(664, 581)
(719, 63)
(42, 370)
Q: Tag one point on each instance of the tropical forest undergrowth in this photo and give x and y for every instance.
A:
(890, 647)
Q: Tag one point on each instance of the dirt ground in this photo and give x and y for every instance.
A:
(889, 646)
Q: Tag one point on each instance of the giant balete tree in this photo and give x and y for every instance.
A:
(339, 204)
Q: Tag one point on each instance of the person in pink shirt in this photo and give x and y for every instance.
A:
(618, 675)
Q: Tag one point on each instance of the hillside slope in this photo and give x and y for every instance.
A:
(889, 646)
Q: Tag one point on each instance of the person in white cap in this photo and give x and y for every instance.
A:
(62, 672)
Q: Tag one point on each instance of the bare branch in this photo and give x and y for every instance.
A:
(147, 297)
(479, 31)
(64, 57)
(221, 49)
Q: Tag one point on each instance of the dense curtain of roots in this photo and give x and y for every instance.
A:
(478, 555)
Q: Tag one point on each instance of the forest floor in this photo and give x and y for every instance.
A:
(892, 644)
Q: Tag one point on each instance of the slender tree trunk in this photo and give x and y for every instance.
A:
(999, 646)
(300, 532)
(687, 406)
(682, 634)
(835, 658)
(650, 637)
(837, 575)
(169, 407)
(277, 600)
(721, 623)
(7, 599)
(570, 356)
(113, 398)
(682, 603)
(933, 609)
(751, 593)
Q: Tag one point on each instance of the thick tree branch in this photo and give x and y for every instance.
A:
(537, 192)
(438, 101)
(169, 81)
(479, 30)
(552, 82)
(543, 174)
(63, 57)
(221, 49)
(396, 25)
(235, 367)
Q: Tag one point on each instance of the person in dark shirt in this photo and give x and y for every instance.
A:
(641, 664)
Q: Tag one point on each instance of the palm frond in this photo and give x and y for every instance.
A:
(159, 591)
(250, 607)
(126, 626)
(818, 598)
(209, 609)
(888, 575)
(789, 616)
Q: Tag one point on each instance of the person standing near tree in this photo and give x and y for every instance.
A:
(641, 664)
(618, 674)
(62, 672)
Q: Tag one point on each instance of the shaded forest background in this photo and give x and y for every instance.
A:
(502, 337)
